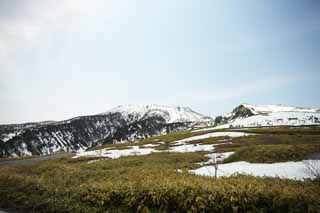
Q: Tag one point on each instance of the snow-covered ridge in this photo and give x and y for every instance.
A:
(171, 114)
(248, 115)
(259, 109)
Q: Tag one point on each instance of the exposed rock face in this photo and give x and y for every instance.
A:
(241, 112)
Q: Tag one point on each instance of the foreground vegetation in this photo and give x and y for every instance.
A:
(147, 184)
(160, 182)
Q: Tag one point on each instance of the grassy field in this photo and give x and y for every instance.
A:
(160, 182)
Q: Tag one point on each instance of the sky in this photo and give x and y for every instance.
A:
(60, 59)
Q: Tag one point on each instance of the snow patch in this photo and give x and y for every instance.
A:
(134, 150)
(192, 148)
(151, 145)
(216, 157)
(289, 170)
(214, 134)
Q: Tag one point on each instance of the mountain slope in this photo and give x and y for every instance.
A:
(247, 115)
(123, 123)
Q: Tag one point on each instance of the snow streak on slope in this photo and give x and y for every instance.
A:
(170, 114)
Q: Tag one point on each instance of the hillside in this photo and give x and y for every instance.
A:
(123, 123)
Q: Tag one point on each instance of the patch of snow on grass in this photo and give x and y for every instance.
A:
(191, 148)
(134, 150)
(151, 145)
(289, 170)
(214, 134)
(218, 157)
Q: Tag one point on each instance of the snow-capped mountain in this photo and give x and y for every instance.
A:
(170, 114)
(123, 123)
(247, 115)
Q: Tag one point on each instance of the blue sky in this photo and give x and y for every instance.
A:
(60, 59)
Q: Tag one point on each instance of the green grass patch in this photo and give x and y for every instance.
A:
(273, 153)
(269, 148)
(212, 140)
(306, 130)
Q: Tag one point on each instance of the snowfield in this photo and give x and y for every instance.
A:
(290, 170)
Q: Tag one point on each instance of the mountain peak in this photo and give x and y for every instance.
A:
(171, 114)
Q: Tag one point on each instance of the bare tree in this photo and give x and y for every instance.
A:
(100, 154)
(313, 168)
(215, 164)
